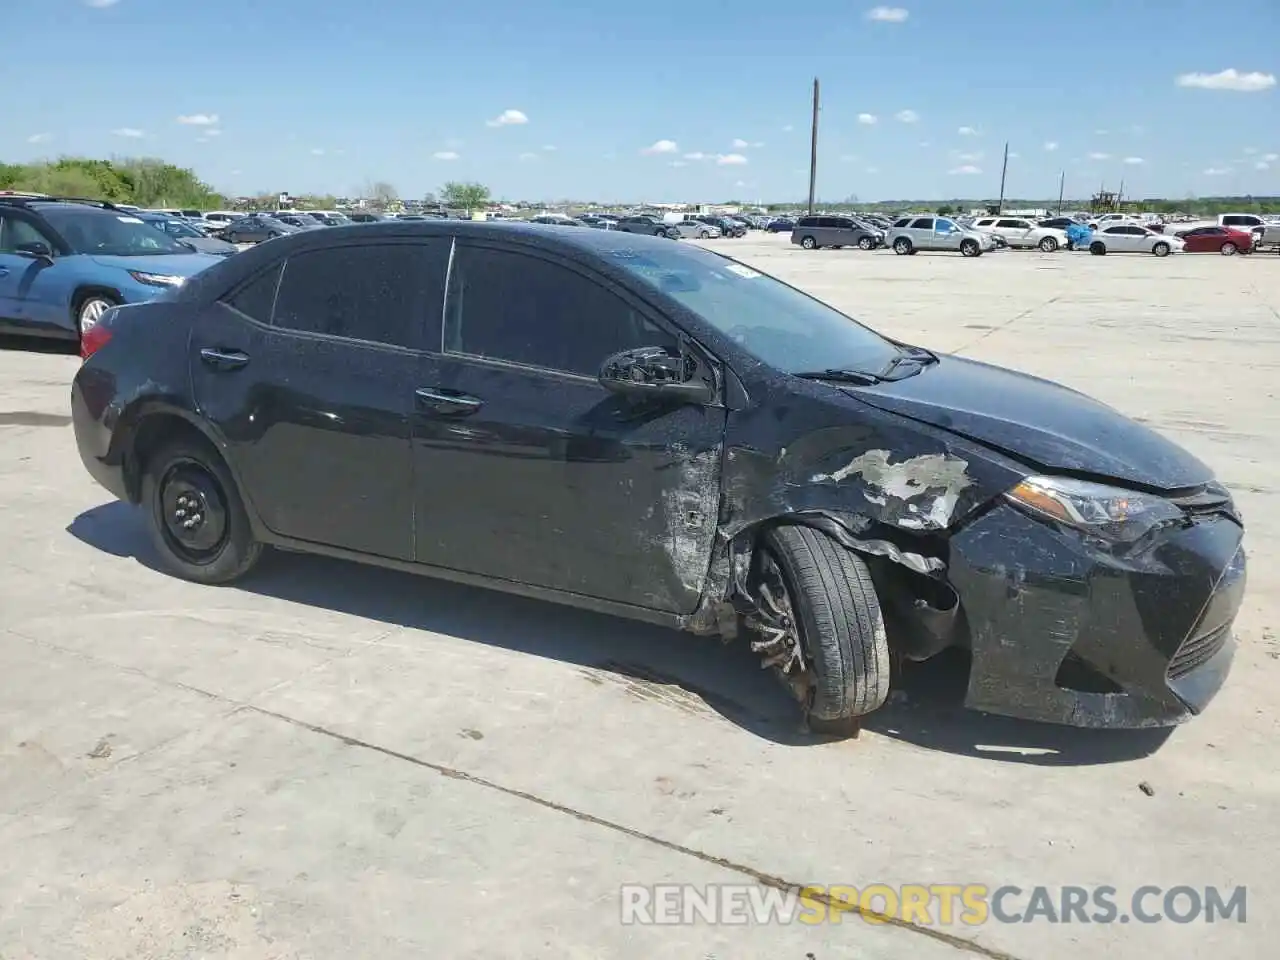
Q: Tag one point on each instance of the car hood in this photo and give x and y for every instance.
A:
(1038, 421)
(172, 265)
(212, 245)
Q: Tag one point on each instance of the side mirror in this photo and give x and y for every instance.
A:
(188, 244)
(36, 250)
(654, 373)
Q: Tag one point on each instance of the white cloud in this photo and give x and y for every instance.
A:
(740, 144)
(731, 160)
(1262, 165)
(678, 163)
(906, 116)
(967, 169)
(788, 128)
(100, 4)
(696, 155)
(129, 132)
(1229, 79)
(199, 120)
(967, 132)
(867, 119)
(1099, 156)
(1051, 145)
(508, 118)
(317, 151)
(1271, 157)
(549, 148)
(445, 155)
(525, 157)
(1134, 161)
(661, 146)
(40, 138)
(888, 14)
(1216, 172)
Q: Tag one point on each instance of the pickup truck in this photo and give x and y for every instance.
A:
(1266, 233)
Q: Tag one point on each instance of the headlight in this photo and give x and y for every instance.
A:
(157, 279)
(1110, 512)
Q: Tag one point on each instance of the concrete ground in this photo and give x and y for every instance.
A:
(336, 761)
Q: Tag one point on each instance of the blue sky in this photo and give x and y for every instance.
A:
(698, 99)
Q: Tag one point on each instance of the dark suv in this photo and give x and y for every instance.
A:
(653, 430)
(816, 232)
(649, 225)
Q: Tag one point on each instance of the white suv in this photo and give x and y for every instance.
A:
(1017, 232)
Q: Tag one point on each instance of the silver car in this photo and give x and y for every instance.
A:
(696, 230)
(910, 235)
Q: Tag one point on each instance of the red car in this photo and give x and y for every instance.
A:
(1223, 240)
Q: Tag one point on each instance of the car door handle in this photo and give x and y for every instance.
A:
(447, 403)
(223, 359)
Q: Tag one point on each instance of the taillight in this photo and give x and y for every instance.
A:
(93, 340)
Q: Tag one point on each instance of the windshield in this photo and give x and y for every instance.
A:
(116, 235)
(780, 326)
(176, 228)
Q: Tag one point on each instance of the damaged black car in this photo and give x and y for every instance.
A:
(660, 432)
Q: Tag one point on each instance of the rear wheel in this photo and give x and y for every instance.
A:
(821, 626)
(1098, 249)
(1229, 249)
(1161, 249)
(195, 514)
(809, 243)
(902, 246)
(1049, 244)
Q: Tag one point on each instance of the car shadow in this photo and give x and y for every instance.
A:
(649, 662)
(50, 345)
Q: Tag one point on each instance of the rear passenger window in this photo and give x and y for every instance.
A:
(923, 223)
(807, 222)
(903, 222)
(256, 298)
(510, 306)
(384, 293)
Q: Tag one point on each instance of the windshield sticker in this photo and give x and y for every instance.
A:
(128, 219)
(745, 272)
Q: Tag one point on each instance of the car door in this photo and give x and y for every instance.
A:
(946, 234)
(308, 372)
(1014, 231)
(528, 470)
(921, 233)
(35, 293)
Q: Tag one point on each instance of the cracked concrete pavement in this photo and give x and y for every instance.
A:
(332, 760)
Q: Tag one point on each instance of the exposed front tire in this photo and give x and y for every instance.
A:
(1229, 249)
(866, 243)
(1161, 249)
(809, 243)
(88, 309)
(970, 248)
(902, 246)
(1049, 244)
(1098, 249)
(195, 515)
(831, 603)
(703, 235)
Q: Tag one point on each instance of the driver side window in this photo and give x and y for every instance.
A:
(523, 309)
(14, 232)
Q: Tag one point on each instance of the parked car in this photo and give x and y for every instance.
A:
(693, 443)
(63, 263)
(1022, 234)
(187, 234)
(781, 225)
(303, 221)
(222, 216)
(697, 230)
(368, 217)
(1132, 238)
(1265, 231)
(910, 235)
(256, 228)
(1224, 240)
(728, 226)
(648, 225)
(814, 233)
(330, 218)
(1058, 223)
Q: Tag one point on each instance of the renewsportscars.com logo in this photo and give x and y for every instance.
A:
(929, 905)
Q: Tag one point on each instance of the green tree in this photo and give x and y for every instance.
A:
(466, 196)
(945, 210)
(142, 181)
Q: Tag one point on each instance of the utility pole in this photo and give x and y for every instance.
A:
(1120, 197)
(1003, 171)
(1062, 186)
(813, 148)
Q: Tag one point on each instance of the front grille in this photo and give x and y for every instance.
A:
(1197, 650)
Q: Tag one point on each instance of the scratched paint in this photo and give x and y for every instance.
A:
(691, 508)
(929, 485)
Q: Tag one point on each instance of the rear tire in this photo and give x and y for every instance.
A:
(902, 246)
(1098, 249)
(841, 628)
(809, 243)
(195, 514)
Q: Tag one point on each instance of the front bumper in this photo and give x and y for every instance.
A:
(1065, 631)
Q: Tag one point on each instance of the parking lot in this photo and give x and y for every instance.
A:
(332, 760)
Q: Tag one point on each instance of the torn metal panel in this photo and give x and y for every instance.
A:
(926, 487)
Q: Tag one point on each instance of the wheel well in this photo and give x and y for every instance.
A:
(85, 292)
(151, 434)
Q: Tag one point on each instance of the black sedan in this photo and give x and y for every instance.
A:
(255, 228)
(188, 235)
(693, 443)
